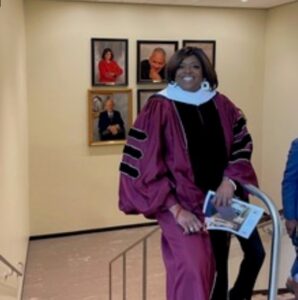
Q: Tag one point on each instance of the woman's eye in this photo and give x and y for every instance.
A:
(197, 67)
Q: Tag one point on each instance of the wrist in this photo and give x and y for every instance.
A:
(178, 212)
(175, 210)
(233, 184)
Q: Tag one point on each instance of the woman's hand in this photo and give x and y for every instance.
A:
(224, 193)
(187, 220)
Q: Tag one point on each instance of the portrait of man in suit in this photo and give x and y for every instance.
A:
(110, 124)
(110, 116)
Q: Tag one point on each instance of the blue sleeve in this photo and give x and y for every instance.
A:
(290, 184)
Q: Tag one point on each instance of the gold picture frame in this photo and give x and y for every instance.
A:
(109, 116)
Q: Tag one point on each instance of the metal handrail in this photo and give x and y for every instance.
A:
(275, 248)
(12, 268)
(123, 255)
(276, 238)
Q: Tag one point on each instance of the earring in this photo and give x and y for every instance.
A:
(205, 85)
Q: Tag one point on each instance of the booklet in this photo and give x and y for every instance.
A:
(240, 217)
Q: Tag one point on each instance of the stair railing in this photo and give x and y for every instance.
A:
(122, 255)
(274, 258)
(276, 238)
(11, 267)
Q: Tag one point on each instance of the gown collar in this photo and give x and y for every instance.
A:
(176, 93)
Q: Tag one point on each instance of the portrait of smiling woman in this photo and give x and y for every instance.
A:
(189, 139)
(108, 69)
(109, 61)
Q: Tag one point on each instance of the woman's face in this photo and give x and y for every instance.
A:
(108, 55)
(189, 75)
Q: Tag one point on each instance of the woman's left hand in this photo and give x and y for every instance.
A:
(224, 193)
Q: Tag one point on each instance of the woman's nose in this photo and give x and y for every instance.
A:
(187, 69)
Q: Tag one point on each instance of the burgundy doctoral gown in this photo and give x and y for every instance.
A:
(156, 173)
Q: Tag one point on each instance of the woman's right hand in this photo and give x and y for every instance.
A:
(187, 220)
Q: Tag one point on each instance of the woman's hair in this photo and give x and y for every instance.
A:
(175, 61)
(105, 51)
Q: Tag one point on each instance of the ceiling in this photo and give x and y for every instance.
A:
(260, 4)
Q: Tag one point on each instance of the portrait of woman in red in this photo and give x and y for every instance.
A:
(108, 69)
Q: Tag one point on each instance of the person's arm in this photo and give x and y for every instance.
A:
(103, 72)
(290, 187)
(144, 69)
(154, 75)
(103, 125)
(239, 169)
(117, 69)
(119, 120)
(118, 127)
(144, 183)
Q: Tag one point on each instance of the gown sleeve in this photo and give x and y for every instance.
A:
(239, 168)
(145, 185)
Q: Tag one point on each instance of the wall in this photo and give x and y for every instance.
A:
(280, 120)
(14, 220)
(73, 186)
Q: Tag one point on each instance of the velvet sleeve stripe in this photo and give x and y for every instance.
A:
(132, 152)
(238, 127)
(244, 154)
(241, 144)
(129, 170)
(137, 134)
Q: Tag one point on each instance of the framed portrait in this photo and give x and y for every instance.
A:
(110, 116)
(109, 61)
(208, 46)
(152, 57)
(142, 97)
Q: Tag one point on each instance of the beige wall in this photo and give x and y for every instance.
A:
(14, 221)
(280, 121)
(73, 186)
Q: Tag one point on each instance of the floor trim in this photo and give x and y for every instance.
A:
(280, 291)
(95, 230)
